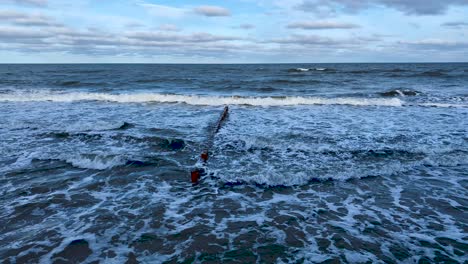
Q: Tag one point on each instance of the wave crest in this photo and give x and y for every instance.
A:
(309, 69)
(198, 100)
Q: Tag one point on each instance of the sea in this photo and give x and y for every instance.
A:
(315, 163)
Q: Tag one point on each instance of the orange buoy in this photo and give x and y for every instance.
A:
(195, 175)
(204, 156)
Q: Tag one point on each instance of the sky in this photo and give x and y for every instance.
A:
(233, 31)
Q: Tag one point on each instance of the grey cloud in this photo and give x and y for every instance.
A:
(103, 43)
(316, 25)
(92, 42)
(321, 42)
(168, 27)
(413, 7)
(455, 24)
(246, 26)
(95, 43)
(380, 35)
(154, 36)
(164, 37)
(134, 25)
(39, 3)
(435, 44)
(206, 37)
(372, 38)
(22, 36)
(24, 19)
(152, 46)
(68, 32)
(212, 11)
(310, 40)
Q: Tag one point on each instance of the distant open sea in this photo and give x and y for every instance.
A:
(332, 163)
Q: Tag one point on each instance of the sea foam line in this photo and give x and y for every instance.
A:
(197, 100)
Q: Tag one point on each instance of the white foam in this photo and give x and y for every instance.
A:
(400, 93)
(198, 100)
(442, 105)
(97, 162)
(100, 161)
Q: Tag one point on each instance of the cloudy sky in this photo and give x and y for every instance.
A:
(233, 31)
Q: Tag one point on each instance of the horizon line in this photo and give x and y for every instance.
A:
(226, 63)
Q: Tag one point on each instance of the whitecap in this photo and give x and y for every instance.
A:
(199, 100)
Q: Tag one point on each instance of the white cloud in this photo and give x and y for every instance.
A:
(212, 11)
(314, 25)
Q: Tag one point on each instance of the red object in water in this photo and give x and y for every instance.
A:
(204, 156)
(195, 175)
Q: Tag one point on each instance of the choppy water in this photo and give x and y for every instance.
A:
(332, 162)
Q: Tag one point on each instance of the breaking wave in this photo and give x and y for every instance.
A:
(95, 162)
(443, 105)
(198, 100)
(85, 161)
(309, 69)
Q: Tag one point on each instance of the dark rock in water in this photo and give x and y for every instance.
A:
(61, 134)
(177, 144)
(410, 93)
(131, 259)
(398, 92)
(380, 153)
(76, 252)
(174, 144)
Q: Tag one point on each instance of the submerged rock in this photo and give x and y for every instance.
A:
(76, 252)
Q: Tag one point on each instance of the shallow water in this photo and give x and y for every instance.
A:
(336, 162)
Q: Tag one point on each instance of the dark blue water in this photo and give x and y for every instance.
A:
(315, 162)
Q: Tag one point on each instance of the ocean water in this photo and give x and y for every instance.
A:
(357, 163)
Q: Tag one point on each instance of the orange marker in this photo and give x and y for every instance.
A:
(195, 175)
(204, 156)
